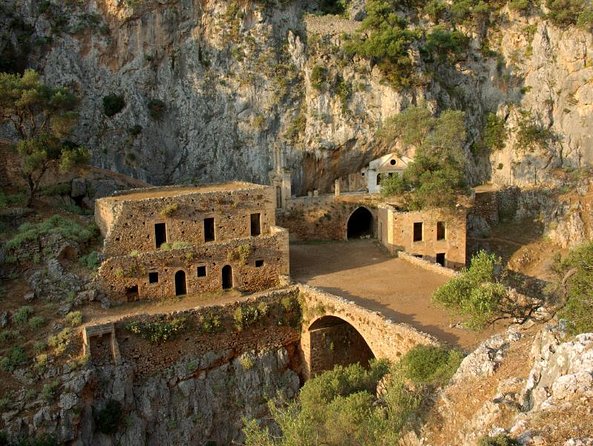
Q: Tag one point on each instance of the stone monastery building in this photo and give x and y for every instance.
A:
(166, 241)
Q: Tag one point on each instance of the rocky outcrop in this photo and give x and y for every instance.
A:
(546, 403)
(196, 401)
(211, 89)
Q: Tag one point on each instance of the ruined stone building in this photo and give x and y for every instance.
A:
(383, 167)
(168, 241)
(436, 235)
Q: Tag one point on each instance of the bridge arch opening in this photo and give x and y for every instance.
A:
(360, 224)
(333, 341)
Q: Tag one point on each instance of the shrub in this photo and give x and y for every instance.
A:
(430, 365)
(74, 318)
(495, 132)
(498, 440)
(56, 224)
(565, 12)
(245, 316)
(49, 391)
(447, 45)
(113, 104)
(108, 419)
(211, 323)
(532, 134)
(15, 357)
(156, 109)
(240, 254)
(477, 292)
(175, 245)
(7, 335)
(36, 322)
(60, 342)
(385, 39)
(576, 281)
(21, 315)
(319, 77)
(521, 6)
(91, 260)
(158, 331)
(168, 210)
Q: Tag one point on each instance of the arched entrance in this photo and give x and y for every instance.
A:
(360, 224)
(227, 277)
(180, 284)
(333, 341)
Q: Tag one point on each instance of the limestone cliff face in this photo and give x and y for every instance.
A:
(212, 88)
(196, 401)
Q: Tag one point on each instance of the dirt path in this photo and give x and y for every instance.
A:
(361, 271)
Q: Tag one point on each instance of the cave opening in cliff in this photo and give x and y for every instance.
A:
(360, 224)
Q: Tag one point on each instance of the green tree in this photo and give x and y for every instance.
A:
(576, 283)
(42, 117)
(478, 292)
(437, 175)
(385, 40)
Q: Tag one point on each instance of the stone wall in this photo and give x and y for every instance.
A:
(396, 229)
(429, 266)
(256, 263)
(127, 221)
(323, 217)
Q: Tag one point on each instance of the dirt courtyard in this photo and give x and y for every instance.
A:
(363, 272)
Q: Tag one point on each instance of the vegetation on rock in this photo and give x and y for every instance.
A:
(576, 283)
(342, 406)
(42, 117)
(437, 175)
(478, 292)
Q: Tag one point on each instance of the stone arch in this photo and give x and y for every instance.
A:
(334, 341)
(180, 283)
(360, 224)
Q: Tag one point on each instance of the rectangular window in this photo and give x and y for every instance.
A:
(160, 234)
(441, 258)
(418, 231)
(209, 229)
(201, 271)
(153, 277)
(440, 230)
(259, 263)
(255, 225)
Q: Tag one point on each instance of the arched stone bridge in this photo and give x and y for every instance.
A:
(338, 331)
(334, 331)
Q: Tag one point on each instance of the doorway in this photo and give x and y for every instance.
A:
(180, 284)
(227, 277)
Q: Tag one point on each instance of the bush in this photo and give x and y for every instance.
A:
(448, 46)
(477, 293)
(109, 419)
(54, 225)
(385, 39)
(158, 331)
(91, 260)
(36, 322)
(532, 134)
(499, 440)
(430, 365)
(576, 281)
(319, 77)
(113, 104)
(60, 341)
(49, 391)
(169, 210)
(15, 357)
(21, 315)
(211, 323)
(246, 316)
(521, 6)
(495, 132)
(566, 12)
(74, 318)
